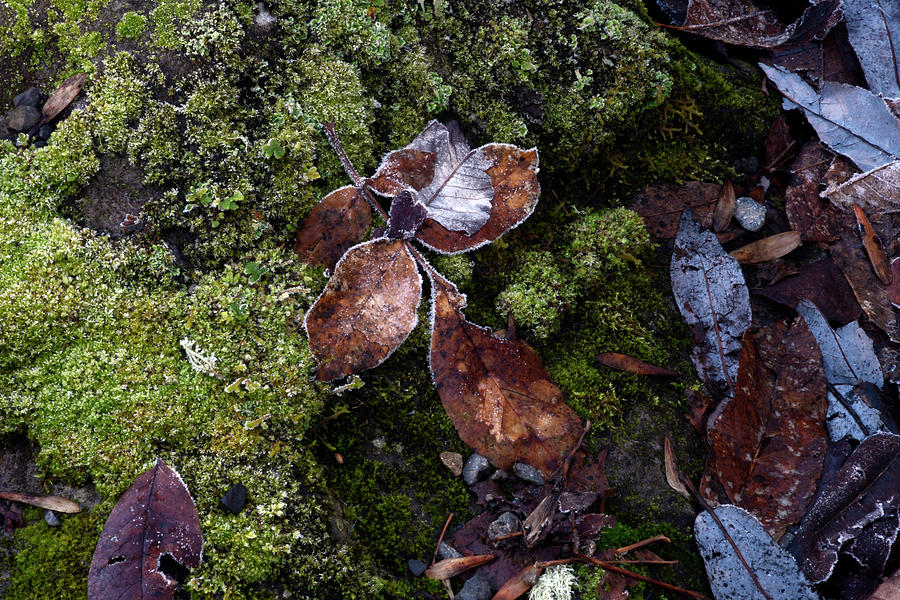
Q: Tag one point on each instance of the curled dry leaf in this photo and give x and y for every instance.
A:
(67, 91)
(874, 247)
(713, 299)
(724, 208)
(770, 248)
(876, 191)
(497, 392)
(367, 309)
(451, 567)
(519, 583)
(337, 223)
(54, 503)
(154, 518)
(849, 256)
(630, 364)
(673, 477)
(768, 443)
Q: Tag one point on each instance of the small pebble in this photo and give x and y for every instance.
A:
(749, 213)
(453, 461)
(236, 498)
(475, 469)
(499, 475)
(30, 97)
(475, 588)
(528, 473)
(506, 524)
(44, 132)
(445, 550)
(416, 566)
(51, 518)
(23, 118)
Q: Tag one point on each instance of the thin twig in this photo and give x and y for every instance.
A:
(642, 543)
(358, 181)
(441, 539)
(840, 398)
(611, 567)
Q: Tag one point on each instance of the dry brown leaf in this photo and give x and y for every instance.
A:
(848, 254)
(822, 283)
(497, 392)
(672, 474)
(451, 567)
(367, 309)
(335, 224)
(54, 503)
(404, 168)
(814, 217)
(661, 206)
(630, 364)
(519, 584)
(62, 97)
(874, 247)
(724, 207)
(769, 248)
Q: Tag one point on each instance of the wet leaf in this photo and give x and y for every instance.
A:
(629, 364)
(874, 247)
(824, 285)
(513, 175)
(498, 394)
(766, 249)
(518, 584)
(724, 208)
(672, 473)
(54, 503)
(768, 443)
(874, 30)
(661, 206)
(863, 490)
(62, 97)
(876, 191)
(775, 569)
(153, 519)
(816, 219)
(406, 216)
(367, 309)
(451, 567)
(337, 223)
(713, 299)
(849, 256)
(851, 120)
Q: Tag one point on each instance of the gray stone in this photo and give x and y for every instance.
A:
(236, 498)
(51, 518)
(23, 118)
(44, 132)
(445, 550)
(526, 472)
(475, 469)
(475, 588)
(30, 97)
(749, 213)
(416, 566)
(748, 166)
(506, 524)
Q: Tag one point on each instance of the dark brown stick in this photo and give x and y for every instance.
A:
(611, 567)
(441, 539)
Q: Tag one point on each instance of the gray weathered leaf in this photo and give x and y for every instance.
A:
(852, 121)
(713, 299)
(876, 191)
(776, 570)
(873, 27)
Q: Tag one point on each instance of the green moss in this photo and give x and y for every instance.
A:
(131, 25)
(118, 97)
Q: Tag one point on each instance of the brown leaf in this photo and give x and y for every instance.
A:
(588, 474)
(367, 309)
(822, 283)
(537, 523)
(672, 473)
(779, 143)
(724, 207)
(590, 525)
(516, 190)
(498, 394)
(661, 206)
(876, 191)
(401, 169)
(451, 567)
(849, 256)
(889, 589)
(701, 406)
(816, 219)
(156, 517)
(893, 289)
(62, 97)
(406, 216)
(822, 60)
(768, 443)
(629, 364)
(54, 503)
(519, 584)
(766, 249)
(335, 224)
(874, 247)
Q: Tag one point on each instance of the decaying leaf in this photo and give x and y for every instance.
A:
(498, 394)
(67, 91)
(741, 23)
(824, 285)
(153, 519)
(672, 474)
(876, 191)
(724, 207)
(337, 223)
(893, 290)
(451, 567)
(713, 299)
(537, 522)
(367, 309)
(406, 216)
(701, 407)
(768, 442)
(849, 256)
(775, 569)
(874, 30)
(816, 219)
(863, 490)
(874, 247)
(661, 206)
(630, 364)
(54, 503)
(519, 584)
(889, 589)
(766, 249)
(851, 120)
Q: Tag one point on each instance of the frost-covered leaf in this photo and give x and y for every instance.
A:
(406, 216)
(876, 191)
(775, 569)
(154, 519)
(768, 442)
(713, 299)
(497, 392)
(873, 27)
(367, 309)
(864, 489)
(851, 120)
(338, 222)
(513, 175)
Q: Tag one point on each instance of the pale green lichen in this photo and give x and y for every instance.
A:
(556, 583)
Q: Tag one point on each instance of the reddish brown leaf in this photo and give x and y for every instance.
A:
(822, 283)
(519, 584)
(766, 249)
(873, 246)
(11, 515)
(516, 190)
(701, 406)
(588, 474)
(816, 219)
(590, 525)
(779, 143)
(629, 364)
(768, 443)
(156, 517)
(822, 60)
(661, 206)
(54, 503)
(724, 208)
(496, 391)
(404, 168)
(367, 309)
(849, 256)
(406, 216)
(335, 224)
(893, 289)
(62, 97)
(451, 567)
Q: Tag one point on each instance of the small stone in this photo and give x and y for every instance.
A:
(749, 213)
(23, 118)
(475, 469)
(505, 525)
(416, 566)
(51, 518)
(453, 461)
(528, 473)
(236, 498)
(499, 475)
(44, 132)
(445, 550)
(748, 166)
(475, 588)
(30, 97)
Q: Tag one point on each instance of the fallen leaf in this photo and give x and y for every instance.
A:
(701, 406)
(874, 29)
(851, 120)
(872, 548)
(498, 394)
(769, 248)
(155, 518)
(661, 206)
(824, 285)
(672, 474)
(590, 526)
(874, 247)
(713, 299)
(863, 490)
(368, 308)
(54, 503)
(451, 567)
(537, 522)
(519, 584)
(337, 223)
(768, 442)
(406, 216)
(822, 60)
(576, 501)
(889, 588)
(588, 474)
(775, 569)
(629, 364)
(737, 22)
(724, 207)
(877, 191)
(67, 91)
(871, 294)
(11, 516)
(779, 143)
(893, 290)
(816, 219)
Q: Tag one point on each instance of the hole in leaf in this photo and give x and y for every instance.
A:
(116, 559)
(172, 568)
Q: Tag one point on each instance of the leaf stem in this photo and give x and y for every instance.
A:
(642, 543)
(354, 175)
